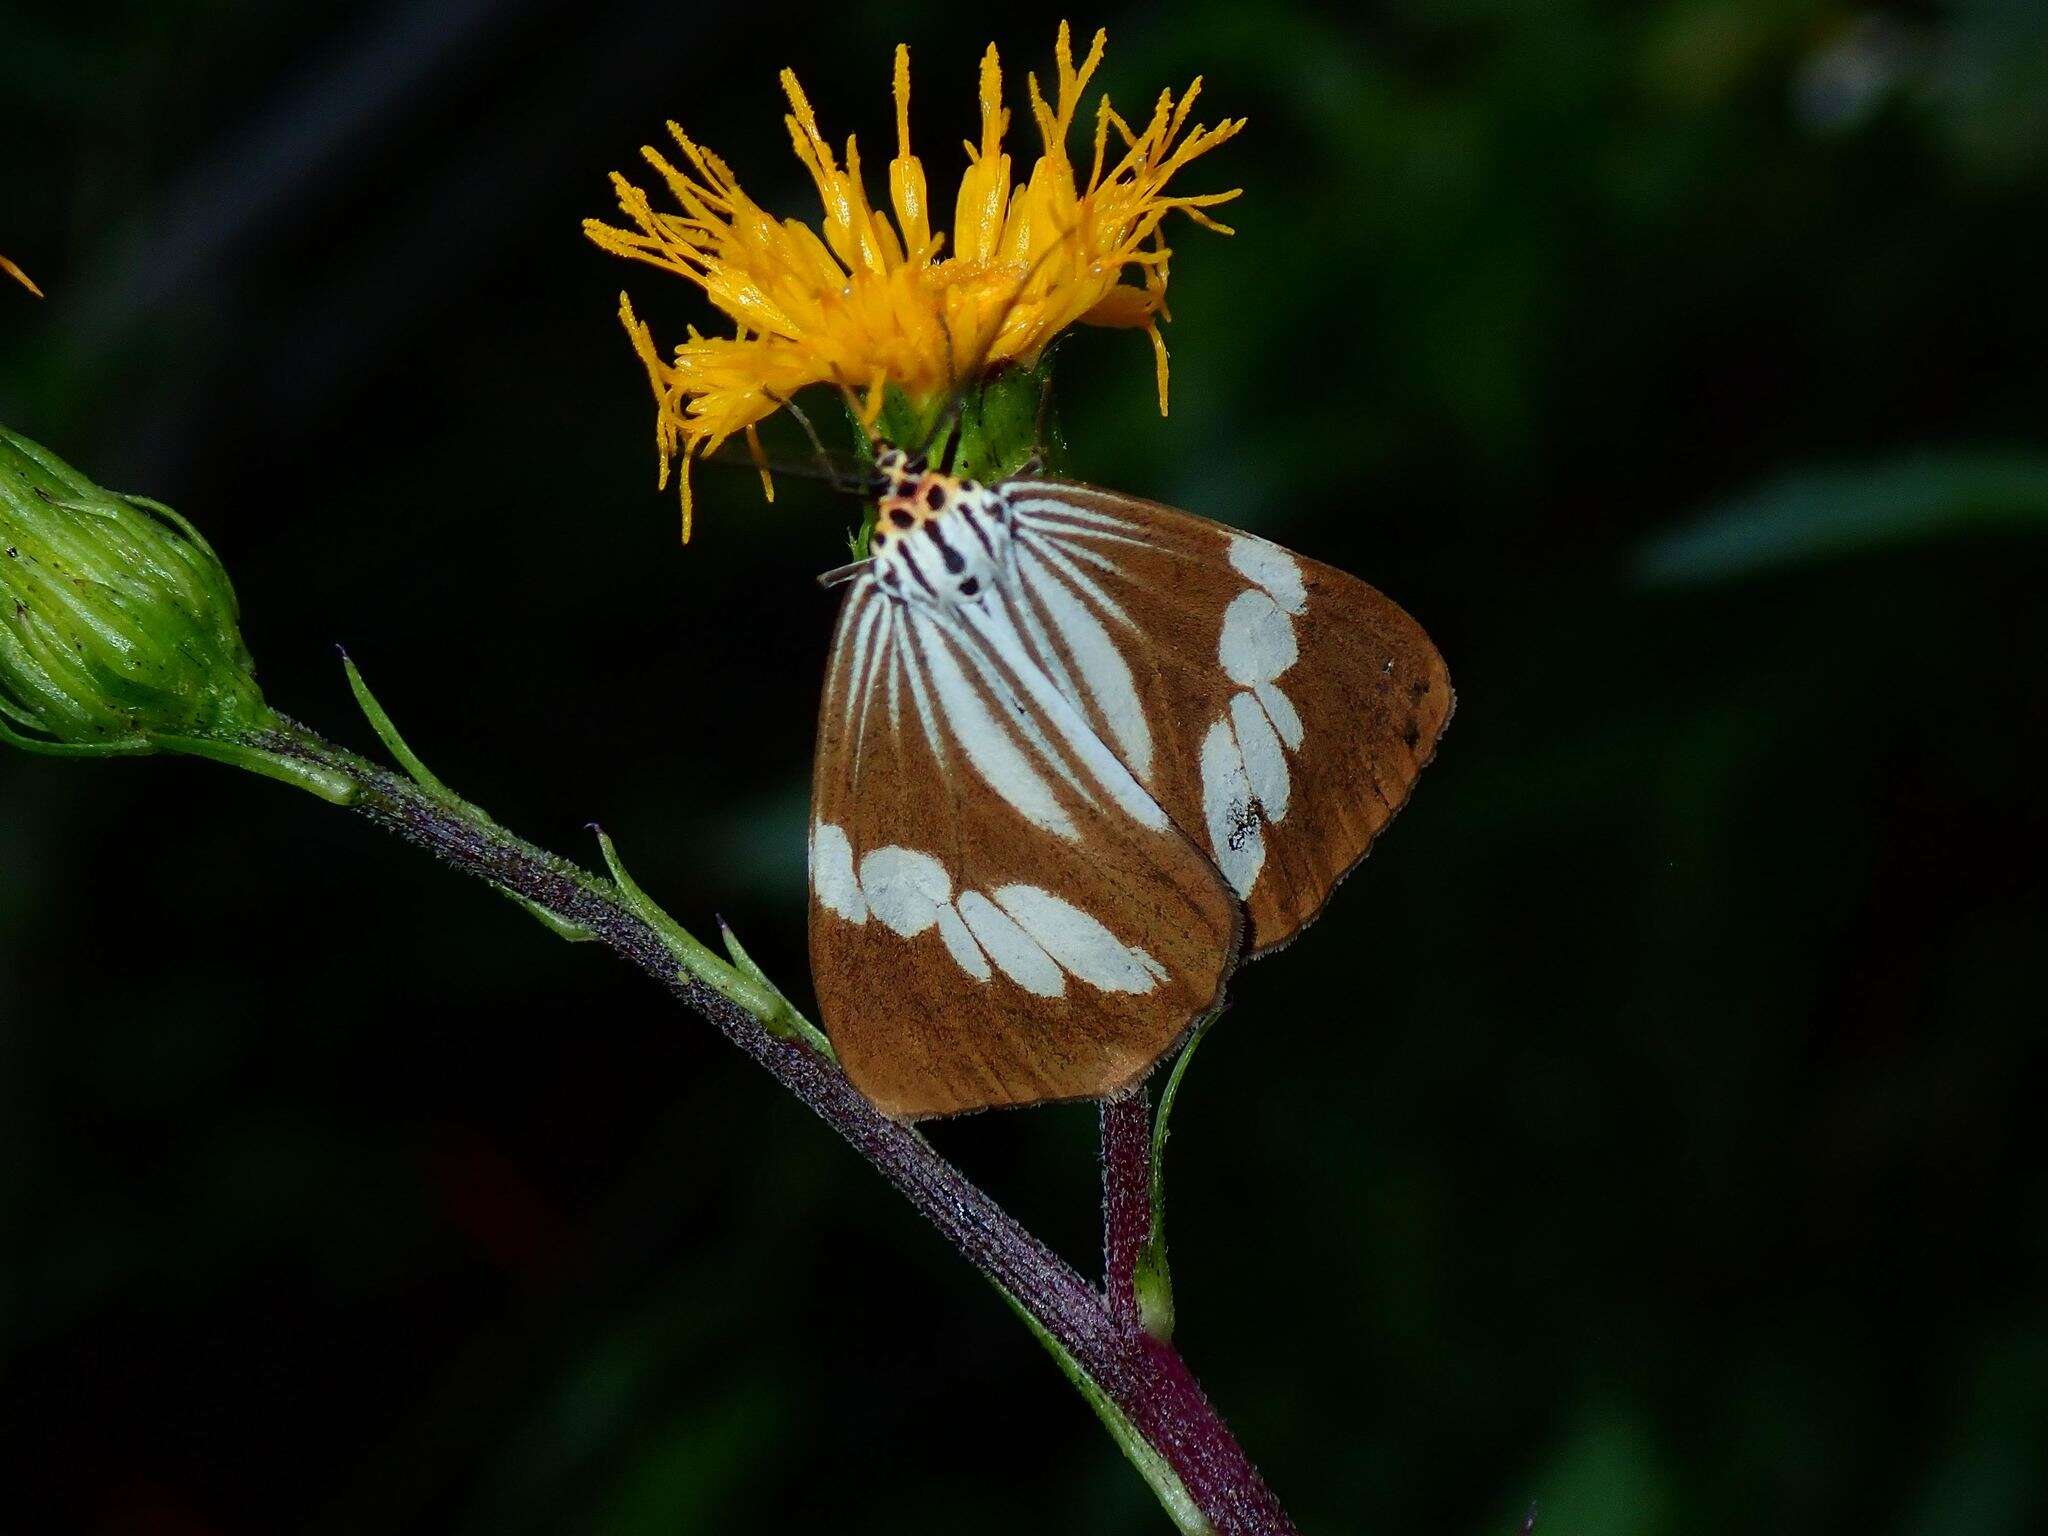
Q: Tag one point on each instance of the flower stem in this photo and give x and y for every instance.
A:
(1137, 1384)
(1126, 1199)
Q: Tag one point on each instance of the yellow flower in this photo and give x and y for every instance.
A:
(20, 276)
(874, 303)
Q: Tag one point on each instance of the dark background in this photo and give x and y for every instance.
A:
(1652, 1127)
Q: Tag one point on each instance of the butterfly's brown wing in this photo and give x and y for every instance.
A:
(999, 913)
(1278, 709)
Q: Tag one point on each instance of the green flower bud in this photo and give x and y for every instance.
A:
(118, 626)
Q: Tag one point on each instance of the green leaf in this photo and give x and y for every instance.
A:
(388, 733)
(742, 982)
(1153, 1280)
(1824, 514)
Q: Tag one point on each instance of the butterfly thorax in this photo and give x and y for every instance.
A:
(938, 538)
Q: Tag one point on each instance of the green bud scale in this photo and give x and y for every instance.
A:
(119, 629)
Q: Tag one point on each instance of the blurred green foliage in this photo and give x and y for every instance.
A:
(1817, 515)
(1650, 1128)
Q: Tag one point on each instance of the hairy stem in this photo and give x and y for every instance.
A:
(1137, 1383)
(1126, 1199)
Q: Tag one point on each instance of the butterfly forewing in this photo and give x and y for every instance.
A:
(1000, 913)
(1278, 709)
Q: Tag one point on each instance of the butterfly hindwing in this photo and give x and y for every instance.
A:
(1278, 709)
(999, 913)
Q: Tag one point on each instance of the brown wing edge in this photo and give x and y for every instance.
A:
(1118, 502)
(1422, 762)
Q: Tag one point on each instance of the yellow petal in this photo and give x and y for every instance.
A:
(20, 276)
(906, 174)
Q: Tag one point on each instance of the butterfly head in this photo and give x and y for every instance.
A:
(935, 535)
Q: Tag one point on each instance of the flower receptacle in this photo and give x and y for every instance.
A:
(987, 431)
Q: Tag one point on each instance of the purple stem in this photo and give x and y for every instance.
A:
(1126, 1199)
(1146, 1380)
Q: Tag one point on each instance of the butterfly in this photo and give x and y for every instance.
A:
(1078, 755)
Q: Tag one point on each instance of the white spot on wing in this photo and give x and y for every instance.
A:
(1234, 834)
(985, 740)
(870, 675)
(1071, 535)
(1271, 567)
(1265, 763)
(1078, 942)
(1026, 614)
(857, 673)
(1011, 947)
(996, 628)
(960, 943)
(1038, 499)
(832, 874)
(1056, 555)
(1035, 937)
(905, 888)
(1003, 662)
(895, 681)
(1280, 710)
(1104, 672)
(1258, 639)
(913, 671)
